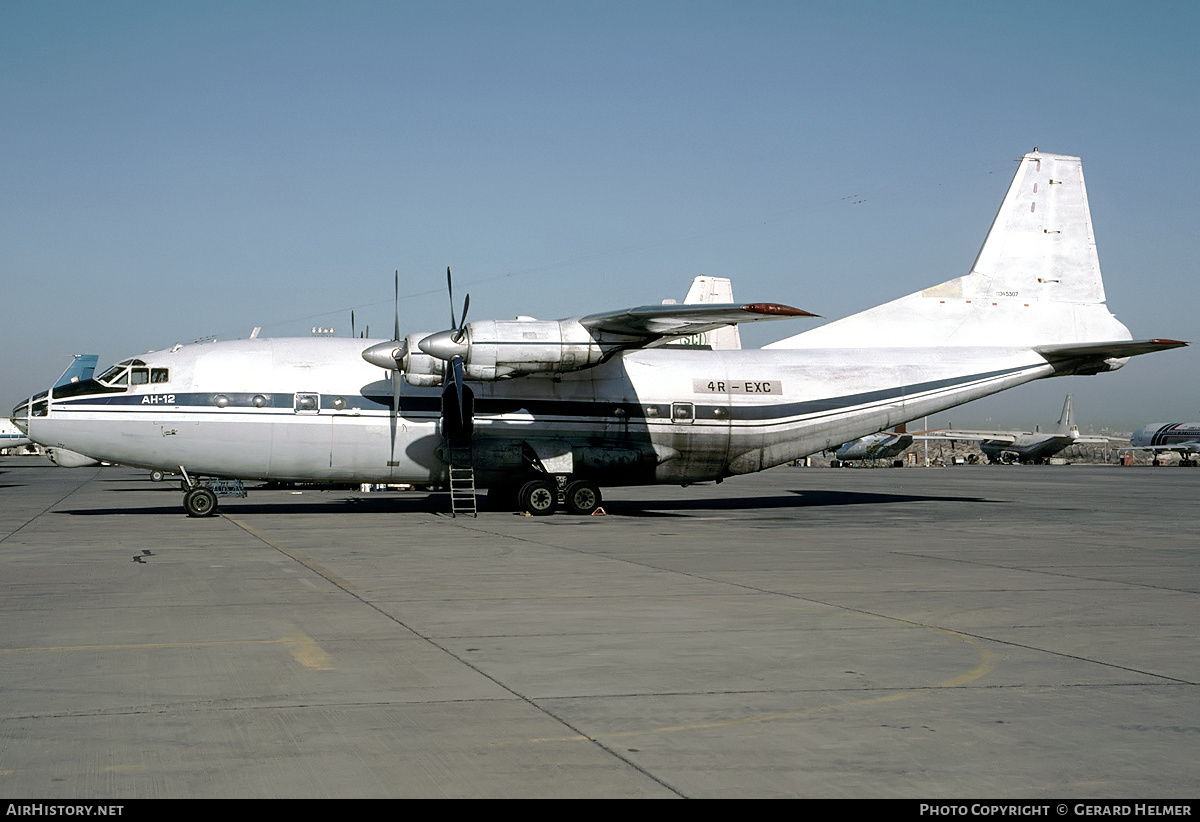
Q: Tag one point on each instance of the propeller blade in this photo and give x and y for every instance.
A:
(396, 332)
(456, 365)
(395, 412)
(450, 288)
(462, 329)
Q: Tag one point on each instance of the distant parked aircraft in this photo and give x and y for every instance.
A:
(1023, 446)
(1180, 437)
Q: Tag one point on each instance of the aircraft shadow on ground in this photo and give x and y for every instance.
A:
(439, 503)
(419, 504)
(798, 499)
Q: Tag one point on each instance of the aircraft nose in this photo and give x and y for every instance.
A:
(20, 415)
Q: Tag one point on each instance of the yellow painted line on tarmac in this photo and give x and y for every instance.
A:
(303, 648)
(145, 646)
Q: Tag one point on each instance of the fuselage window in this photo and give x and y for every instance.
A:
(139, 376)
(682, 412)
(158, 375)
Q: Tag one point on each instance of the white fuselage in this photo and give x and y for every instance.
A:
(313, 409)
(1183, 437)
(11, 436)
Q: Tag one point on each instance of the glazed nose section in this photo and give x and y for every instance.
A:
(20, 415)
(36, 406)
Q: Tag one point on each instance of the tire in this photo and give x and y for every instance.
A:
(583, 497)
(156, 476)
(537, 497)
(200, 502)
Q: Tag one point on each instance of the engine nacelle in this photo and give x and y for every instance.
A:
(496, 349)
(419, 368)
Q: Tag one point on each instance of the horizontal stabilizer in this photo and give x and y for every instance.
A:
(1113, 349)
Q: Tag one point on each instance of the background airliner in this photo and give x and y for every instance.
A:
(1181, 437)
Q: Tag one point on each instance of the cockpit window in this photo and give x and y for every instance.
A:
(110, 376)
(133, 372)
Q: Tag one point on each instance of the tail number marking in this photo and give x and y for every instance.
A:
(158, 399)
(737, 386)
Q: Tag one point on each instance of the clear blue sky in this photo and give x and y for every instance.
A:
(177, 170)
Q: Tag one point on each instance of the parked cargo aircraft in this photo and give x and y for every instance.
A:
(881, 446)
(1180, 437)
(550, 411)
(1024, 446)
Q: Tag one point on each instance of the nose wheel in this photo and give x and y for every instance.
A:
(200, 502)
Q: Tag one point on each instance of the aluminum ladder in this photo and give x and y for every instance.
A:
(462, 492)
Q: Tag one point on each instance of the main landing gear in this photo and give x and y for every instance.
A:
(541, 496)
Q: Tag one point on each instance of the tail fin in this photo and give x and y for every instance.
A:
(706, 289)
(1036, 280)
(1066, 421)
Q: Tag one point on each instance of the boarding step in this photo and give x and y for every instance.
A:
(462, 492)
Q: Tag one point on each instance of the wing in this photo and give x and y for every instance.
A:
(1190, 446)
(970, 436)
(655, 321)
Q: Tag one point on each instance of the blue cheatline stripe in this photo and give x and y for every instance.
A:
(498, 406)
(1171, 431)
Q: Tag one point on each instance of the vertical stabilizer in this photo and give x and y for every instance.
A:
(711, 290)
(1066, 422)
(1041, 244)
(1036, 280)
(716, 290)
